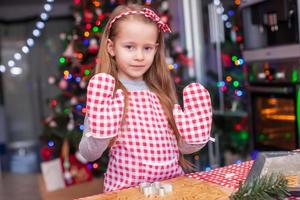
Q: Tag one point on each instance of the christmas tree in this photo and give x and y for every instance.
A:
(64, 126)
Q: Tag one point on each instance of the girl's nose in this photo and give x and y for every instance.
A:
(139, 55)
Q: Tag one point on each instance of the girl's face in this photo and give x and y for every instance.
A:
(134, 48)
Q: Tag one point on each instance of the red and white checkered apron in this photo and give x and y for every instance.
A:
(146, 148)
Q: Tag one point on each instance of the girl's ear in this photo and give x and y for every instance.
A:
(110, 47)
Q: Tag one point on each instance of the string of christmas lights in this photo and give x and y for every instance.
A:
(25, 49)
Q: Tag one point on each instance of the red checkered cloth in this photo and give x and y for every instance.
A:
(194, 123)
(230, 176)
(104, 111)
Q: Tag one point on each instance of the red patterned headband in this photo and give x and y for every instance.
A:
(147, 13)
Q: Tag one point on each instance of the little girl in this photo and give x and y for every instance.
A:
(131, 105)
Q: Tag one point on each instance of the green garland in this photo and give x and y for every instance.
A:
(266, 187)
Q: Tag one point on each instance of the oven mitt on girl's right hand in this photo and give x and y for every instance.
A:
(104, 111)
(194, 123)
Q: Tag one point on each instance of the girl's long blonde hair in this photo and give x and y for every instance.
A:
(157, 78)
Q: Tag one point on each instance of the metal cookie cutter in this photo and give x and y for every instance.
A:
(155, 188)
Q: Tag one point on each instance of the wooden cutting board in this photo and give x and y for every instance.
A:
(184, 188)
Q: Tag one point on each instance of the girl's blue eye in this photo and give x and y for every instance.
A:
(129, 47)
(148, 48)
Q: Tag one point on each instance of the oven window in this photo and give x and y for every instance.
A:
(274, 123)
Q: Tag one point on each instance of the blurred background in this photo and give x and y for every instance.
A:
(246, 53)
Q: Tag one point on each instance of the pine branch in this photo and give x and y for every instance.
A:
(266, 187)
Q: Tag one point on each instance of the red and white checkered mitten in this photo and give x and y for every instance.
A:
(104, 111)
(194, 123)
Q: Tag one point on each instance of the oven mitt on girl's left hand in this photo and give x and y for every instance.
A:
(104, 110)
(194, 123)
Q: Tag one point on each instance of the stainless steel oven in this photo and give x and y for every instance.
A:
(274, 97)
(272, 54)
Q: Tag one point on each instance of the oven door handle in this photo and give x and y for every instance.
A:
(277, 90)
